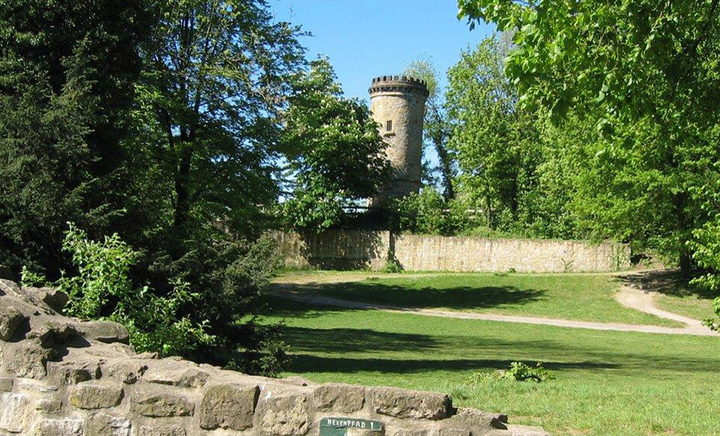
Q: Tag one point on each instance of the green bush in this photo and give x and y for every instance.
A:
(232, 274)
(427, 213)
(518, 371)
(705, 246)
(102, 289)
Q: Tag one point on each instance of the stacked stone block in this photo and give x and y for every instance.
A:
(355, 249)
(62, 376)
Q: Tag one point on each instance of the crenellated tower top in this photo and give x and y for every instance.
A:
(402, 84)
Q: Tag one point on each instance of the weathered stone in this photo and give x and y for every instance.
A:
(95, 396)
(36, 386)
(60, 427)
(6, 384)
(297, 380)
(449, 431)
(228, 406)
(404, 431)
(161, 404)
(53, 332)
(10, 320)
(106, 425)
(165, 430)
(476, 420)
(283, 414)
(338, 398)
(523, 430)
(103, 331)
(401, 403)
(54, 298)
(16, 413)
(25, 359)
(9, 287)
(73, 372)
(148, 355)
(187, 378)
(49, 405)
(127, 371)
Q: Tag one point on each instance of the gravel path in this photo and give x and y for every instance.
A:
(644, 302)
(627, 296)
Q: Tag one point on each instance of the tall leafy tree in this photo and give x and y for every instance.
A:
(496, 141)
(334, 150)
(436, 125)
(216, 75)
(67, 71)
(646, 74)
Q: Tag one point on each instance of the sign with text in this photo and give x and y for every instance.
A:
(340, 426)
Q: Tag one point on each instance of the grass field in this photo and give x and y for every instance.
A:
(692, 306)
(606, 383)
(585, 297)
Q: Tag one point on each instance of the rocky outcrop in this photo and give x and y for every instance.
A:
(63, 376)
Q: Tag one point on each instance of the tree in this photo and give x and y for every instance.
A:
(215, 79)
(645, 73)
(495, 141)
(67, 71)
(334, 150)
(436, 126)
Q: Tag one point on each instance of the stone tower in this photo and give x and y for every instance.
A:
(398, 105)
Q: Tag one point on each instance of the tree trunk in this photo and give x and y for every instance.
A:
(182, 187)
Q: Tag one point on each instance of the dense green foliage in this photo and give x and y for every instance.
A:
(428, 212)
(67, 72)
(158, 123)
(507, 168)
(644, 75)
(495, 141)
(103, 288)
(334, 149)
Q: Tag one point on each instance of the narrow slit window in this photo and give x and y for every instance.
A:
(388, 126)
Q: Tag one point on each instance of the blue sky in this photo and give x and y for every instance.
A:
(369, 38)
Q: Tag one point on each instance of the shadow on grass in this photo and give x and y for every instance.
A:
(303, 363)
(668, 282)
(336, 350)
(342, 340)
(458, 298)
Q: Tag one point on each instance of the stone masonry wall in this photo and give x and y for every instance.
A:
(60, 376)
(346, 249)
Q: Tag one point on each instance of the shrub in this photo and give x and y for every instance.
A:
(427, 212)
(705, 246)
(103, 289)
(518, 371)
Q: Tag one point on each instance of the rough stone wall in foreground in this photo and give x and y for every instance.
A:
(349, 249)
(61, 376)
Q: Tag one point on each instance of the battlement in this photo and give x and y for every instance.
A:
(403, 84)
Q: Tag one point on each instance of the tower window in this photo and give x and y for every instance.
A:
(388, 126)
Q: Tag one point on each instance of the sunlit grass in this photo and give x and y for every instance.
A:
(606, 383)
(584, 297)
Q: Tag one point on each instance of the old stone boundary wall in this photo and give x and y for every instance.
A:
(348, 249)
(60, 376)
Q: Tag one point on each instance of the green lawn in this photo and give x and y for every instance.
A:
(585, 297)
(692, 306)
(607, 383)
